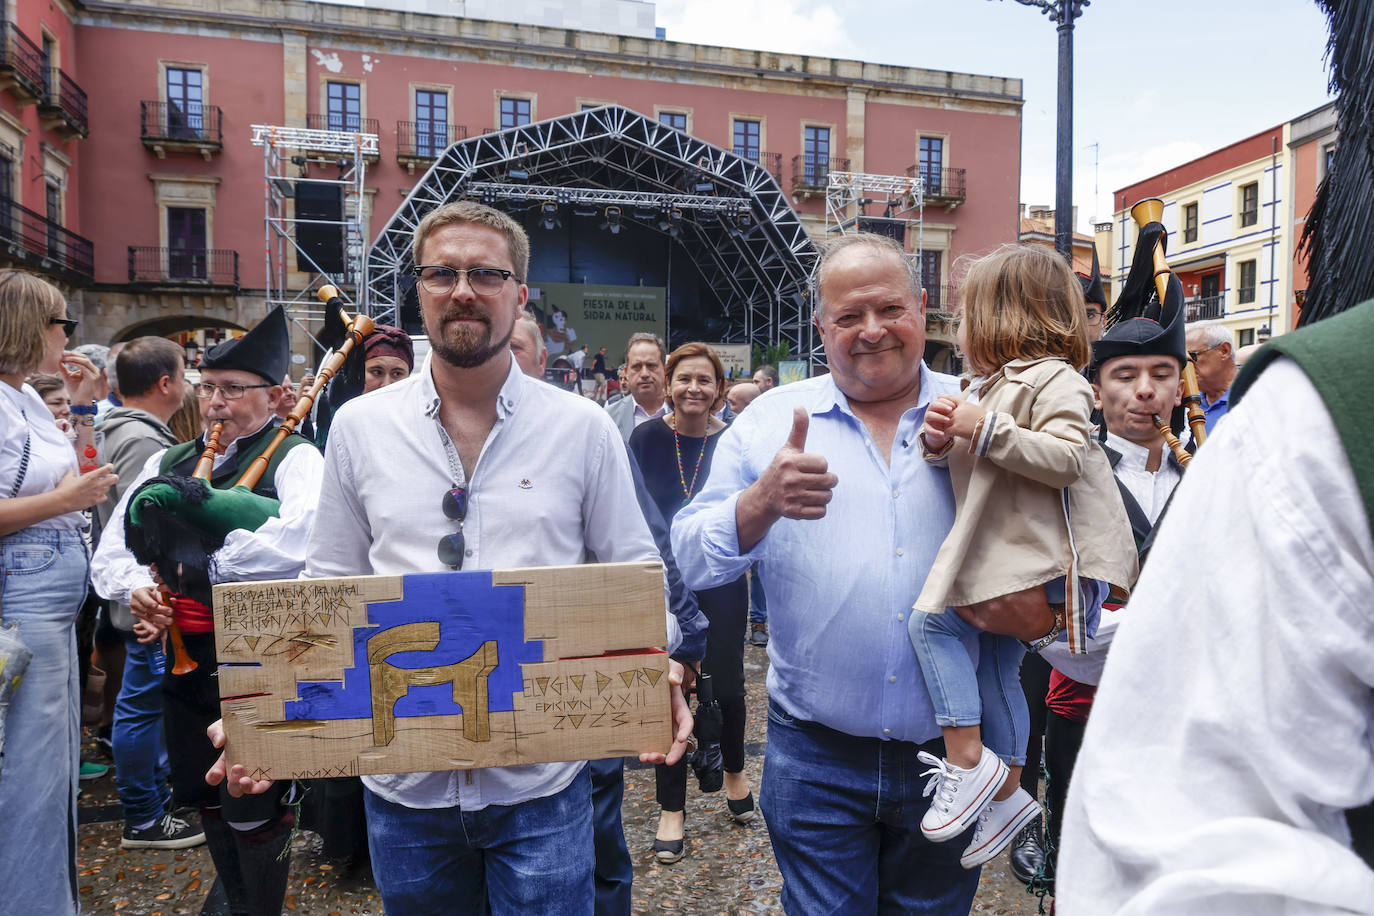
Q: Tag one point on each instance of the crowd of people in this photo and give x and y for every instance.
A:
(937, 570)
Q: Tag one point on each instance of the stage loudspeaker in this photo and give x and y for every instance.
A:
(894, 229)
(323, 244)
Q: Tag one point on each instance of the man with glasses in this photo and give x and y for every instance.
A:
(482, 468)
(1213, 355)
(249, 838)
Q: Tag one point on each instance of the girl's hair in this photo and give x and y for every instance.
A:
(45, 383)
(1023, 302)
(688, 351)
(26, 304)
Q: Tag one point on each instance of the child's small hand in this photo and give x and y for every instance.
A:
(949, 416)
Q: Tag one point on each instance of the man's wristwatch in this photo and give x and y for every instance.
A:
(1052, 635)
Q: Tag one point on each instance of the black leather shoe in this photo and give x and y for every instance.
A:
(741, 809)
(669, 851)
(1028, 852)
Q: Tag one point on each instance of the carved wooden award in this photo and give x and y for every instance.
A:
(443, 671)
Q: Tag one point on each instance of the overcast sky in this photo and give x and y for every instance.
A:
(1155, 83)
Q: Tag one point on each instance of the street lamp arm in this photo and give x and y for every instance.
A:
(1060, 11)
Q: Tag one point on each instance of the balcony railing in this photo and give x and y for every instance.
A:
(64, 102)
(770, 161)
(1204, 308)
(198, 266)
(811, 173)
(348, 123)
(181, 125)
(22, 61)
(426, 139)
(35, 240)
(941, 185)
(940, 300)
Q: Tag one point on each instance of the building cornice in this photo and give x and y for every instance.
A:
(448, 36)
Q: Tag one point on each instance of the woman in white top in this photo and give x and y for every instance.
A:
(43, 568)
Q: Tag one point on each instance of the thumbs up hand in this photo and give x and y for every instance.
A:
(797, 484)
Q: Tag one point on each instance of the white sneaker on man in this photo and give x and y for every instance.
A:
(959, 795)
(998, 825)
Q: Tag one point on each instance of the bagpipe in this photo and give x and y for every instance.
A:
(176, 523)
(1150, 243)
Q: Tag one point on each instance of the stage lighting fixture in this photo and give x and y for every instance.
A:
(584, 210)
(549, 215)
(671, 222)
(518, 175)
(703, 185)
(612, 221)
(298, 160)
(744, 221)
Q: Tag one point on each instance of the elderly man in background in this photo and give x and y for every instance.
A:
(823, 482)
(527, 345)
(1211, 351)
(741, 395)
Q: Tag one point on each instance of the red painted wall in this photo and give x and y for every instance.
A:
(243, 78)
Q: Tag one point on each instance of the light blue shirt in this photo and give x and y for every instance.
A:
(840, 588)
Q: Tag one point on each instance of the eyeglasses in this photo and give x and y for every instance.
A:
(205, 391)
(1194, 354)
(68, 324)
(455, 506)
(485, 281)
(1094, 317)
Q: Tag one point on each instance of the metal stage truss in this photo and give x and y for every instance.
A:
(848, 195)
(304, 151)
(737, 226)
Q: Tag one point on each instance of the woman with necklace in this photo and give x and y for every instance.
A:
(674, 455)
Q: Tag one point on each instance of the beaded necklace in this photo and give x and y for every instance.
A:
(688, 490)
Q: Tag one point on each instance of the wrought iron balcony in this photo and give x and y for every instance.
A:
(942, 186)
(63, 107)
(941, 300)
(181, 127)
(32, 240)
(184, 266)
(770, 161)
(811, 173)
(1205, 308)
(21, 64)
(351, 124)
(424, 141)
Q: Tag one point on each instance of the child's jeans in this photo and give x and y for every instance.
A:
(974, 679)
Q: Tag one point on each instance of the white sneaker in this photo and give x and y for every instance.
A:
(998, 825)
(960, 795)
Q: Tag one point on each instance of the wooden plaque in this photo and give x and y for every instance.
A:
(443, 671)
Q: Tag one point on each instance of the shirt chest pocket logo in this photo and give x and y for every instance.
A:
(525, 484)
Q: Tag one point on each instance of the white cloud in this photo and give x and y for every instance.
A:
(789, 26)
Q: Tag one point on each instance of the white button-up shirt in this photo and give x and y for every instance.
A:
(1231, 729)
(1151, 489)
(552, 481)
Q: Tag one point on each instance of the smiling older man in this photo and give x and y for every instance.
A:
(823, 482)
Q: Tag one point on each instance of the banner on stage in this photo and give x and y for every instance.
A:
(597, 315)
(442, 671)
(734, 357)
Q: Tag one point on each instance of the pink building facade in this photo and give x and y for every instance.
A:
(169, 191)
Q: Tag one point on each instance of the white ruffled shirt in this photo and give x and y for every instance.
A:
(1231, 730)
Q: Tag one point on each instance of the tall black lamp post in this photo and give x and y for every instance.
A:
(1063, 13)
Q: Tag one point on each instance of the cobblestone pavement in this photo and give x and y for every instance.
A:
(728, 868)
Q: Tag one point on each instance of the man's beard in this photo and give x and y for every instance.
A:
(469, 347)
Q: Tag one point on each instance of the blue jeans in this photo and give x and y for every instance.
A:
(534, 857)
(42, 585)
(140, 750)
(615, 873)
(974, 678)
(844, 815)
(758, 601)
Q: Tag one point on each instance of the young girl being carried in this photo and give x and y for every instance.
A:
(1039, 537)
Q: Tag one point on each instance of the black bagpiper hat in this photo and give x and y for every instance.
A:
(1092, 285)
(265, 350)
